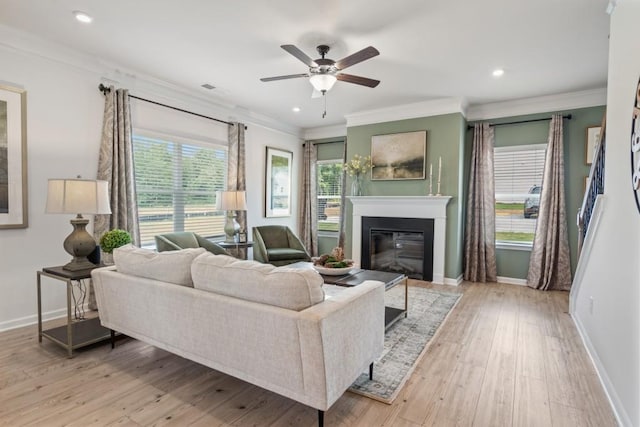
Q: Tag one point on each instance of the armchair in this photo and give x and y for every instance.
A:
(186, 239)
(277, 245)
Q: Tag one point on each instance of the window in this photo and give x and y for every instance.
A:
(518, 179)
(329, 189)
(176, 184)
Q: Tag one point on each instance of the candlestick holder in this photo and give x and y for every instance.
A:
(438, 194)
(430, 187)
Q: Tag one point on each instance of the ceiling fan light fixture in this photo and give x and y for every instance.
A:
(322, 82)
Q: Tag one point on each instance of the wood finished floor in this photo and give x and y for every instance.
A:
(507, 356)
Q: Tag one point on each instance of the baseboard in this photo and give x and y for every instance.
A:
(512, 281)
(614, 401)
(33, 319)
(452, 282)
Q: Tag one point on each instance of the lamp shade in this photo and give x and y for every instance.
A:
(231, 200)
(322, 82)
(78, 196)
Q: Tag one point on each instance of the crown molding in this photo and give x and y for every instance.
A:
(139, 84)
(325, 132)
(434, 107)
(541, 104)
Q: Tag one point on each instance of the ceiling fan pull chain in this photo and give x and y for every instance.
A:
(324, 95)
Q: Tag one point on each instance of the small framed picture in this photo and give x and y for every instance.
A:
(242, 237)
(593, 138)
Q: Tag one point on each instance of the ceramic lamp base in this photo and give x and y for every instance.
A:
(231, 228)
(79, 244)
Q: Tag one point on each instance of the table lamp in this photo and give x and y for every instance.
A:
(78, 196)
(231, 201)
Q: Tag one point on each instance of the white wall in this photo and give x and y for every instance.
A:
(611, 278)
(64, 122)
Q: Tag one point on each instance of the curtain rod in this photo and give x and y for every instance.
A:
(104, 89)
(337, 141)
(568, 117)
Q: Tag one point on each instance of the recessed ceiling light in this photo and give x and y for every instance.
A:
(296, 109)
(82, 16)
(498, 72)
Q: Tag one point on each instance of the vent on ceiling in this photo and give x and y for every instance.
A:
(208, 86)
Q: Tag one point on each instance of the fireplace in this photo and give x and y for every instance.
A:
(393, 207)
(399, 245)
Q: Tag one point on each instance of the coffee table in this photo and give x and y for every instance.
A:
(357, 275)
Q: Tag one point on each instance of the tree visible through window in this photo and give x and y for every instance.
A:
(518, 178)
(176, 184)
(329, 189)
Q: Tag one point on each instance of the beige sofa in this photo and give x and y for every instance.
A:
(269, 326)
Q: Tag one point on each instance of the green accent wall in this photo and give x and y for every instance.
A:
(446, 139)
(515, 263)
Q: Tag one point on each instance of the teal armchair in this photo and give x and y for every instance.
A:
(277, 245)
(184, 240)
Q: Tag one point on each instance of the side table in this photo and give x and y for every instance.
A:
(238, 250)
(74, 334)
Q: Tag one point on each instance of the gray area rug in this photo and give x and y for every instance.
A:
(406, 341)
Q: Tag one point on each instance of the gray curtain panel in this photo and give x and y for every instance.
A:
(307, 214)
(343, 200)
(236, 175)
(550, 265)
(115, 165)
(480, 231)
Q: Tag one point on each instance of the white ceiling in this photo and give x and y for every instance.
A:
(428, 49)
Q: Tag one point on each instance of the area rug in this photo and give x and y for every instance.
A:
(406, 341)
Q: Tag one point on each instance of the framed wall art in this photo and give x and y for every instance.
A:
(398, 156)
(593, 137)
(278, 183)
(13, 158)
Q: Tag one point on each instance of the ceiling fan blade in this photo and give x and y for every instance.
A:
(299, 54)
(290, 76)
(363, 55)
(350, 78)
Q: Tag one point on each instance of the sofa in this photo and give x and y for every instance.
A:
(270, 326)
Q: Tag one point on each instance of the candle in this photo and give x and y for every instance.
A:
(439, 168)
(430, 179)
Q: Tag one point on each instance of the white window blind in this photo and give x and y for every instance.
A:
(176, 183)
(518, 176)
(329, 189)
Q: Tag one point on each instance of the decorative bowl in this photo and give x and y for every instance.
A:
(332, 271)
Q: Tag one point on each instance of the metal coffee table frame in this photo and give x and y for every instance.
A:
(357, 276)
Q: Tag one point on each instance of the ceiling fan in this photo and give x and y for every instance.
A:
(323, 72)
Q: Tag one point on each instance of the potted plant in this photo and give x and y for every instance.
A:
(114, 239)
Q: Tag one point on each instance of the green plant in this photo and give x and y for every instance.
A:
(114, 239)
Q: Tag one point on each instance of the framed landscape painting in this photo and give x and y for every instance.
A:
(13, 158)
(278, 183)
(398, 156)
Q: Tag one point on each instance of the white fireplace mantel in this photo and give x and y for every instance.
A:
(434, 207)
